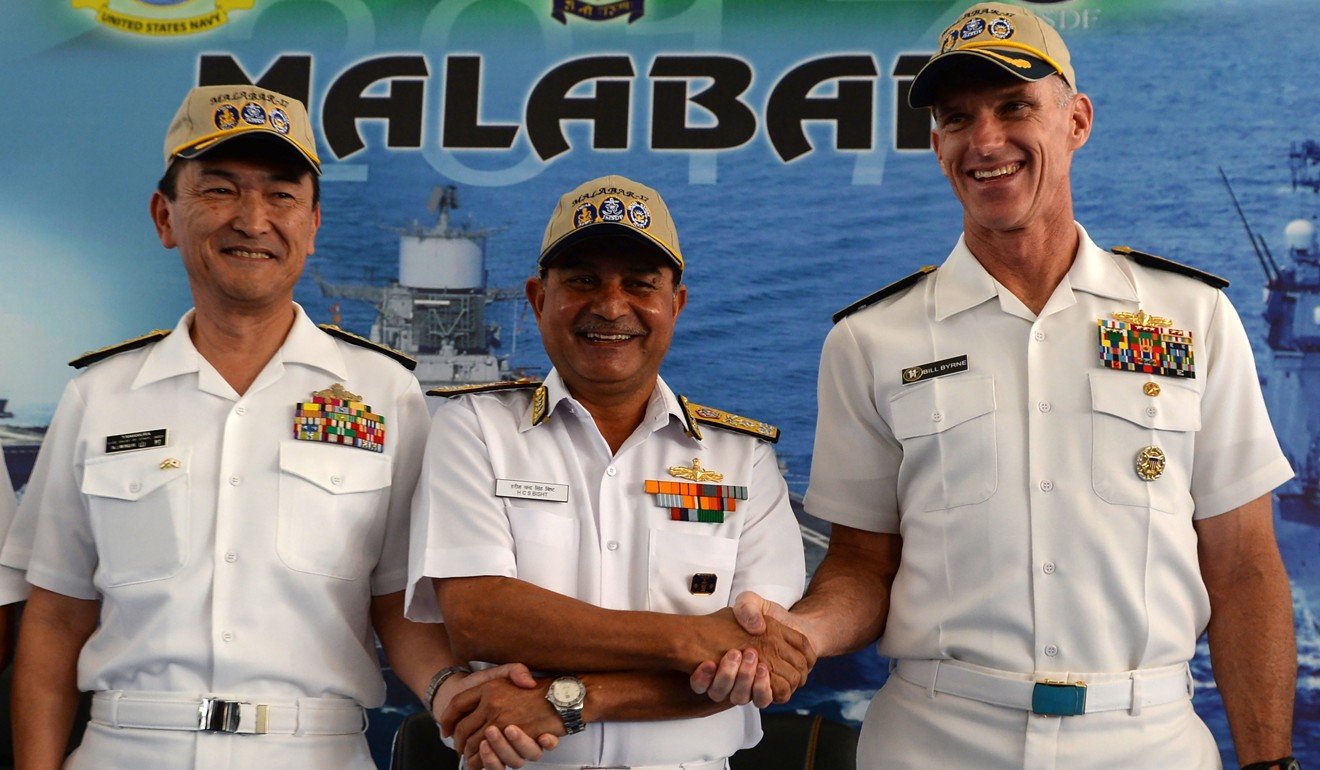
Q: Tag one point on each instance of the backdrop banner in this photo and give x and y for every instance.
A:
(778, 131)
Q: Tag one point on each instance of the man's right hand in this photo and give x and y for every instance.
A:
(737, 676)
(753, 641)
(508, 747)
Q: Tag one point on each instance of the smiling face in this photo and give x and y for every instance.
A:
(606, 311)
(243, 228)
(1006, 146)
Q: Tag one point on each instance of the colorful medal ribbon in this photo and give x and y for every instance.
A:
(339, 421)
(691, 501)
(1134, 343)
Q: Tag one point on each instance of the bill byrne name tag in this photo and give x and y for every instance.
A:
(531, 490)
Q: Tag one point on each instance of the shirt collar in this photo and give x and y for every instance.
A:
(305, 344)
(962, 282)
(662, 408)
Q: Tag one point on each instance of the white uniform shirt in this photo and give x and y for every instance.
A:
(1030, 544)
(13, 588)
(248, 569)
(610, 544)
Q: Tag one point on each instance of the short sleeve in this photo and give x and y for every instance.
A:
(459, 528)
(391, 573)
(1237, 454)
(770, 558)
(51, 536)
(855, 462)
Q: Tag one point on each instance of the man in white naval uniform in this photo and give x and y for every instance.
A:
(13, 588)
(1048, 466)
(218, 518)
(595, 526)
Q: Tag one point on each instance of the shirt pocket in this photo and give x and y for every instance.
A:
(332, 509)
(138, 509)
(675, 557)
(947, 429)
(545, 544)
(1126, 421)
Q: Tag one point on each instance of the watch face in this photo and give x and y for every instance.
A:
(566, 691)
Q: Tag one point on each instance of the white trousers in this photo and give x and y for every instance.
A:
(907, 729)
(111, 748)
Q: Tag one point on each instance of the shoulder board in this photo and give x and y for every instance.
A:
(1160, 263)
(408, 361)
(707, 415)
(450, 391)
(892, 288)
(92, 356)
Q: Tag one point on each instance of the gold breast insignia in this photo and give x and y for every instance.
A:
(337, 391)
(1142, 318)
(1150, 463)
(695, 472)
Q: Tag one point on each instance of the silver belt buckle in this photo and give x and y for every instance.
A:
(218, 716)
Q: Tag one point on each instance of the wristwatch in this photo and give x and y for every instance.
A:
(440, 676)
(1286, 763)
(566, 694)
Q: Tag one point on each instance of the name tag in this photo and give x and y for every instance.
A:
(531, 490)
(127, 442)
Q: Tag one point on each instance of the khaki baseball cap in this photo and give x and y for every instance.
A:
(1013, 38)
(212, 115)
(611, 205)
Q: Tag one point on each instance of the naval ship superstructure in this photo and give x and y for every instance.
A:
(437, 311)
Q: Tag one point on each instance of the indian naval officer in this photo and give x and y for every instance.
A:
(595, 525)
(218, 517)
(1048, 466)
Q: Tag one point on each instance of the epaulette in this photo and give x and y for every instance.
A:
(450, 391)
(1161, 263)
(892, 288)
(696, 413)
(92, 356)
(408, 361)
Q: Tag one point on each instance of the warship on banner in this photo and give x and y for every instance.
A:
(437, 311)
(1290, 373)
(20, 445)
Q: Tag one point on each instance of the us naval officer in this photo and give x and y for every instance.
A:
(1048, 466)
(218, 518)
(596, 525)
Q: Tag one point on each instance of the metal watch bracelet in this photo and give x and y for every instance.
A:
(439, 679)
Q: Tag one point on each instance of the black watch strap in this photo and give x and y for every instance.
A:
(1285, 763)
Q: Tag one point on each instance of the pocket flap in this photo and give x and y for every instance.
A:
(133, 475)
(671, 546)
(335, 468)
(941, 404)
(1177, 407)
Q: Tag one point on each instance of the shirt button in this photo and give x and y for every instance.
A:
(1046, 485)
(613, 545)
(231, 557)
(1051, 650)
(1047, 568)
(240, 411)
(1044, 406)
(235, 481)
(336, 480)
(134, 487)
(1151, 411)
(936, 416)
(1039, 335)
(228, 636)
(611, 471)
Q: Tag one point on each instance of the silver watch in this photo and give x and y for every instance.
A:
(566, 694)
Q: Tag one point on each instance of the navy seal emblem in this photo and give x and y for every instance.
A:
(611, 210)
(226, 117)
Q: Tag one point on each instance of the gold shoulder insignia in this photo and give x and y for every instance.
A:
(92, 356)
(1162, 263)
(892, 288)
(696, 413)
(451, 391)
(408, 361)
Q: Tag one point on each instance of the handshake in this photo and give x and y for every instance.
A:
(754, 652)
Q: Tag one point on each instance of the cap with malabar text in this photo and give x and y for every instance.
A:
(1014, 38)
(212, 115)
(611, 205)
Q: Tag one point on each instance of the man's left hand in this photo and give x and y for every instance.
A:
(493, 719)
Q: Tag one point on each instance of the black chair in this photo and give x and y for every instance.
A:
(800, 742)
(417, 746)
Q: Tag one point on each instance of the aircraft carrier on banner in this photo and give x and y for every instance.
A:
(20, 445)
(437, 311)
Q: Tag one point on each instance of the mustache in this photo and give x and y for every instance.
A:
(597, 327)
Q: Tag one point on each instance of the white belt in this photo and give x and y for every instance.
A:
(712, 764)
(1068, 695)
(246, 716)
